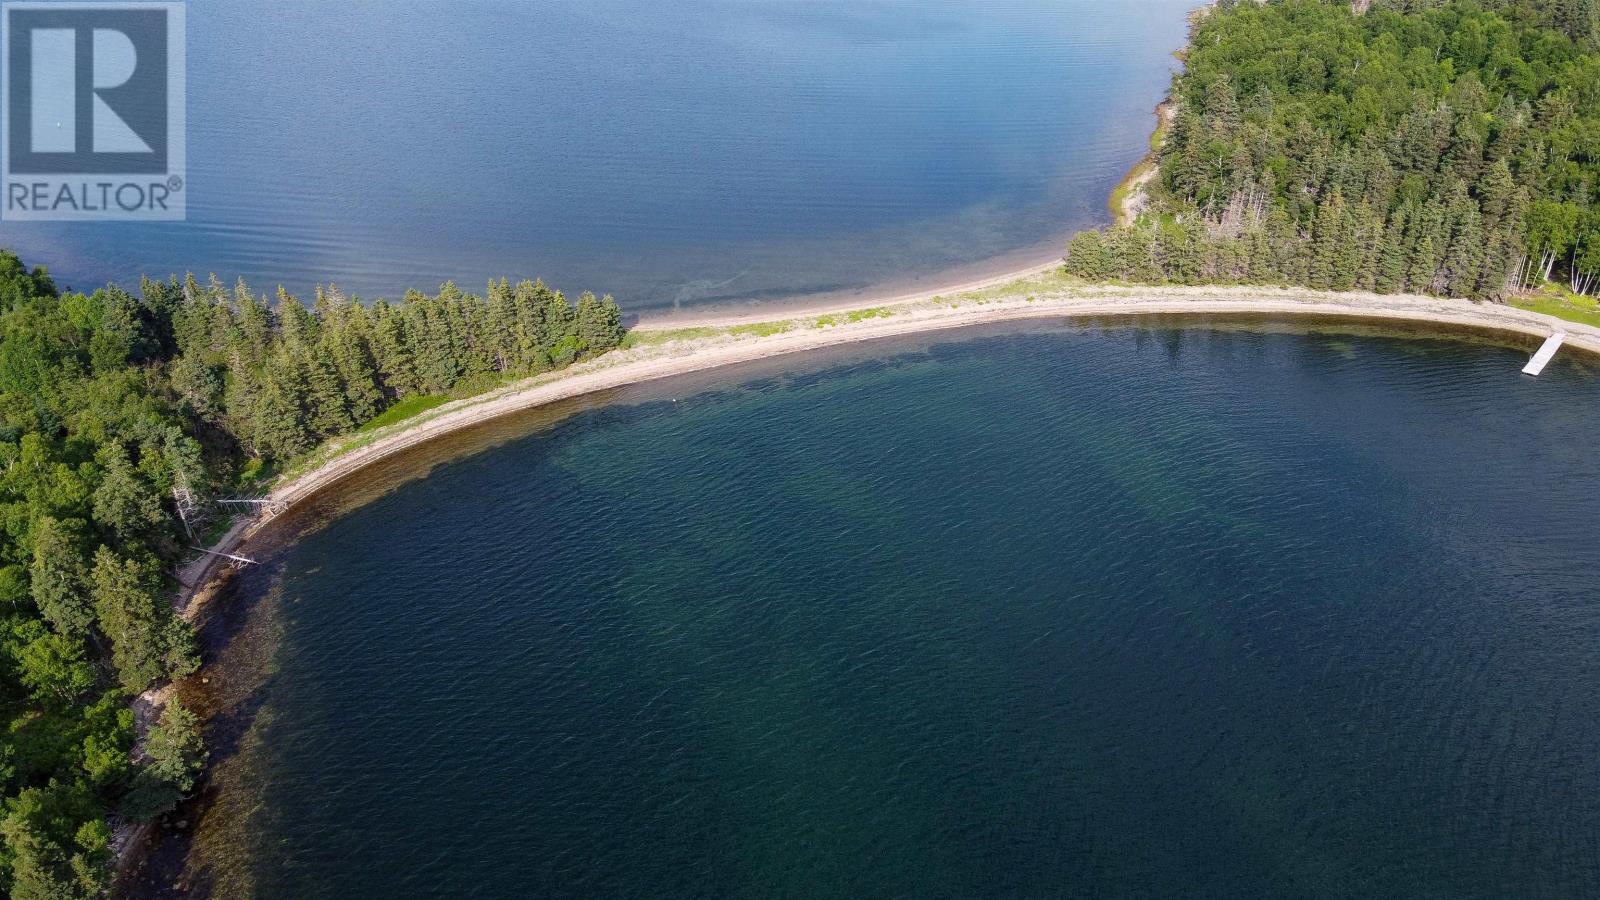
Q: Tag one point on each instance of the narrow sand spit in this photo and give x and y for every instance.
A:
(712, 342)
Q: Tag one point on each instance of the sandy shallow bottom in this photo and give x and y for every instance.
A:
(678, 346)
(1116, 359)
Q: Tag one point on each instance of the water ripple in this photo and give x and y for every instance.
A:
(1052, 612)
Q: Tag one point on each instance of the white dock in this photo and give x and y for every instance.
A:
(1545, 354)
(241, 560)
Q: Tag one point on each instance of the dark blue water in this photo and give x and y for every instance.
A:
(1123, 613)
(665, 152)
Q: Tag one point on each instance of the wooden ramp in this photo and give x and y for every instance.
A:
(1545, 354)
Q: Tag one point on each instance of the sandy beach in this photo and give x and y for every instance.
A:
(717, 316)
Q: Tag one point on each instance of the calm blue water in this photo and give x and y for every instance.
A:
(1120, 613)
(665, 152)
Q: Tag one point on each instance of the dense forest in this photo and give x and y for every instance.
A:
(117, 411)
(1434, 146)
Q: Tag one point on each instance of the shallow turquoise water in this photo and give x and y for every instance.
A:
(1049, 612)
(682, 152)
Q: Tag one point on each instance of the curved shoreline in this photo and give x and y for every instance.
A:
(741, 340)
(1035, 292)
(737, 340)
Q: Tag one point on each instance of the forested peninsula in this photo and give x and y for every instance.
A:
(121, 419)
(1447, 147)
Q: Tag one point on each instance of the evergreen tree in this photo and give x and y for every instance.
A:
(1464, 261)
(1424, 268)
(598, 323)
(1328, 243)
(1087, 257)
(59, 576)
(1391, 274)
(555, 331)
(147, 643)
(1221, 116)
(200, 387)
(124, 505)
(358, 372)
(392, 353)
(327, 411)
(500, 326)
(58, 848)
(175, 747)
(279, 424)
(53, 667)
(1133, 250)
(436, 365)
